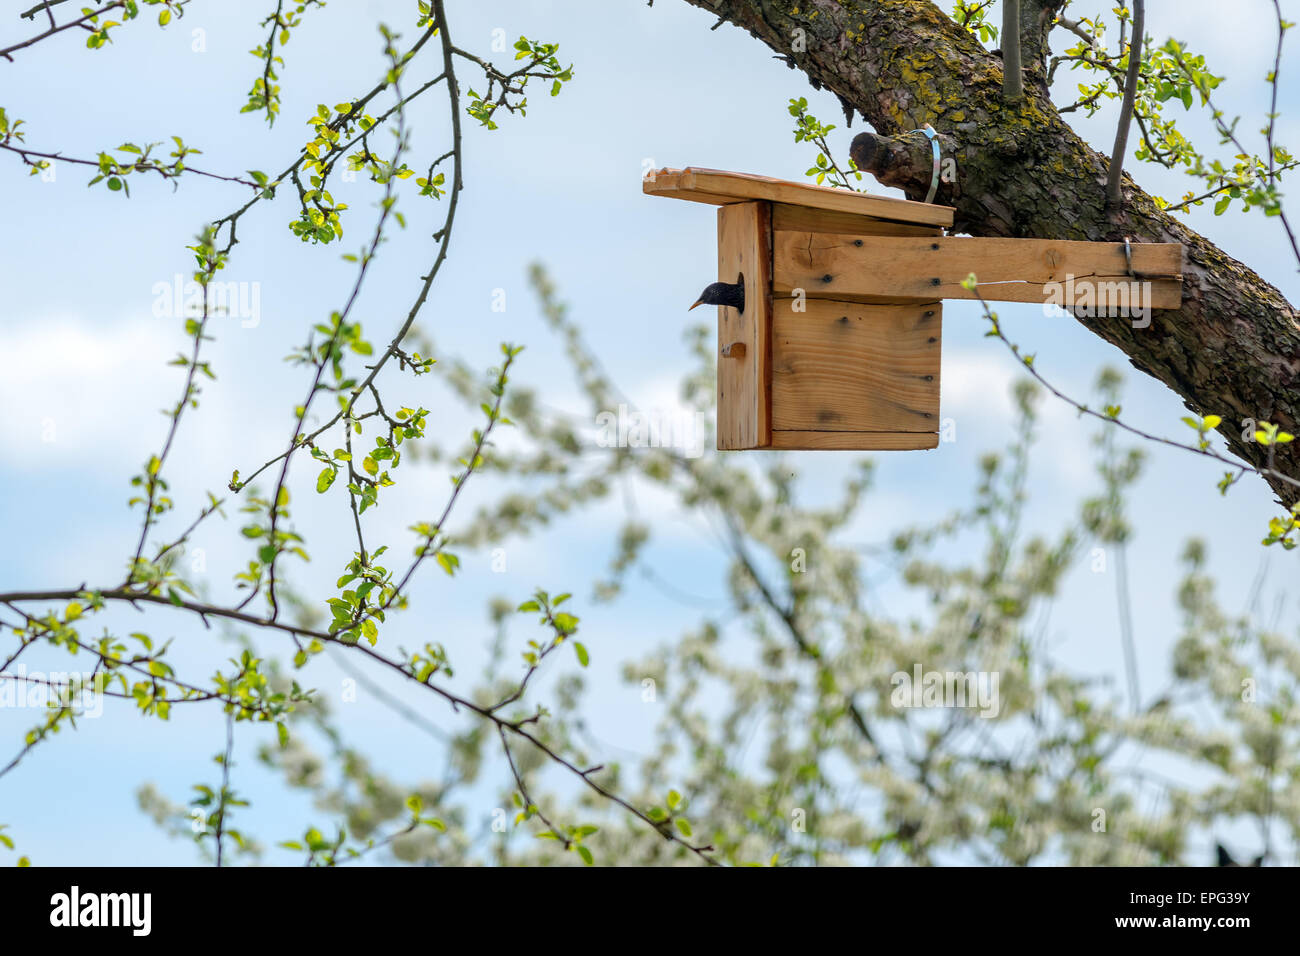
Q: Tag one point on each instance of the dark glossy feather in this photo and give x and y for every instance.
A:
(723, 293)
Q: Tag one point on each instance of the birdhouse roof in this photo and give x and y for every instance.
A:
(720, 188)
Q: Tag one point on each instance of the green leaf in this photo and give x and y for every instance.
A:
(581, 651)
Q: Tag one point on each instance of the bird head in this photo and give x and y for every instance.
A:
(723, 293)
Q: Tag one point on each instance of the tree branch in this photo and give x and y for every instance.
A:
(1013, 85)
(1113, 196)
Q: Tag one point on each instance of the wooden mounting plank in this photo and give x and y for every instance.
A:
(853, 441)
(720, 188)
(841, 366)
(1008, 270)
(782, 299)
(744, 400)
(786, 217)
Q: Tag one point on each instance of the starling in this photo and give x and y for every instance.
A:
(724, 293)
(1225, 858)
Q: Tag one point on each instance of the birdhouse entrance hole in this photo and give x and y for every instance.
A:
(839, 343)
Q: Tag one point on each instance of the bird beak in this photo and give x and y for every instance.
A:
(697, 302)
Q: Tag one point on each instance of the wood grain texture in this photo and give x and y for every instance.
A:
(782, 299)
(744, 400)
(1009, 270)
(787, 217)
(717, 187)
(853, 441)
(842, 366)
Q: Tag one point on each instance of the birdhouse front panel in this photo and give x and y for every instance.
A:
(855, 368)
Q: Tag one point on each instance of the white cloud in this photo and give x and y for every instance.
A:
(974, 386)
(78, 391)
(977, 395)
(73, 389)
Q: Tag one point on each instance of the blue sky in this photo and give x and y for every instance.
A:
(85, 355)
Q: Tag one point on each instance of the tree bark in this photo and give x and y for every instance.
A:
(1131, 79)
(1013, 86)
(1232, 349)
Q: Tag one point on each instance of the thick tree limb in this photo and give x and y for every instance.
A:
(1233, 349)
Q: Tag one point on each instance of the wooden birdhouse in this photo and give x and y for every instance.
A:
(838, 345)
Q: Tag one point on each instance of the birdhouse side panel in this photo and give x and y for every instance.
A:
(853, 441)
(846, 367)
(850, 372)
